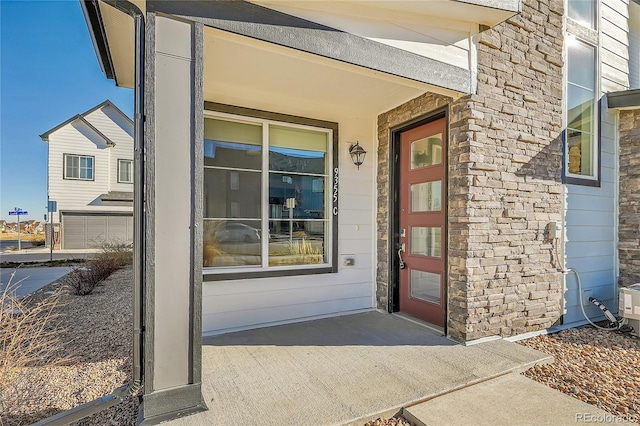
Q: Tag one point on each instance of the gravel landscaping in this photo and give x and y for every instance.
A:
(599, 367)
(94, 356)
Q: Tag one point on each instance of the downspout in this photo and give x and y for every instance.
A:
(121, 394)
(138, 190)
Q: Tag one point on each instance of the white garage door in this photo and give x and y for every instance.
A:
(91, 231)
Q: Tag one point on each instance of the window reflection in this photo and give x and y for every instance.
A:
(581, 102)
(231, 243)
(234, 201)
(296, 242)
(426, 152)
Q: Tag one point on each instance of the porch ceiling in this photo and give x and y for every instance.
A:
(256, 74)
(485, 12)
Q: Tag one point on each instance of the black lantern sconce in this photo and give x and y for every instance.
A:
(357, 154)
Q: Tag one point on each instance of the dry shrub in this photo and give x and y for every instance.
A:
(84, 279)
(29, 338)
(121, 253)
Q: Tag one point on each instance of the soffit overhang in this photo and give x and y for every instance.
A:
(483, 12)
(625, 99)
(113, 32)
(243, 71)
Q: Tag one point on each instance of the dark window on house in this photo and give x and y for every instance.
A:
(266, 202)
(78, 167)
(125, 171)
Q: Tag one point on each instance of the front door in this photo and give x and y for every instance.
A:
(423, 222)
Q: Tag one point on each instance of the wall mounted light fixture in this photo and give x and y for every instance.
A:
(357, 154)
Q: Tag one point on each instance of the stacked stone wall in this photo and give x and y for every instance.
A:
(506, 281)
(629, 198)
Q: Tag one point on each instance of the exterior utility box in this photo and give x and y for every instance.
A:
(630, 306)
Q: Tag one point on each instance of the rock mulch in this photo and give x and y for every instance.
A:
(96, 335)
(393, 421)
(599, 367)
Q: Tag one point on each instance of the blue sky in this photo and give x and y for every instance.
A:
(48, 73)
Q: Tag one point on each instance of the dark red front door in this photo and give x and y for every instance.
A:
(423, 222)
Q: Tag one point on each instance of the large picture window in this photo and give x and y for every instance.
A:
(581, 150)
(267, 188)
(78, 167)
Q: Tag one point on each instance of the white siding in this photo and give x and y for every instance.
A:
(591, 212)
(77, 138)
(634, 45)
(120, 131)
(614, 41)
(249, 303)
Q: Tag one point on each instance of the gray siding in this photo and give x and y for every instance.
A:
(591, 212)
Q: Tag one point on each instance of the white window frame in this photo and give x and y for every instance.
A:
(66, 176)
(222, 272)
(124, 160)
(589, 36)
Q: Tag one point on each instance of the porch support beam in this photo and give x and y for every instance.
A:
(265, 24)
(173, 214)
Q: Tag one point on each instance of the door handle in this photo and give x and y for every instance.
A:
(401, 262)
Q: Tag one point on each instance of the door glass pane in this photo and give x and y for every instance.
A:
(426, 152)
(297, 242)
(426, 241)
(426, 196)
(425, 286)
(224, 187)
(231, 243)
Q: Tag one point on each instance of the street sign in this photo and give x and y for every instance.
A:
(52, 206)
(18, 211)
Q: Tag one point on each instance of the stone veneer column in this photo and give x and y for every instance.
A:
(629, 198)
(505, 280)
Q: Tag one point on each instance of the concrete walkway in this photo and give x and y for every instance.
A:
(343, 370)
(512, 399)
(30, 279)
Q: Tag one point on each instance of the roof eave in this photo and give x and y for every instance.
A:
(93, 18)
(624, 99)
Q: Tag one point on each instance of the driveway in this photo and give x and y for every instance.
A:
(33, 278)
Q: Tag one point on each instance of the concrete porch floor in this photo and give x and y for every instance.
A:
(342, 370)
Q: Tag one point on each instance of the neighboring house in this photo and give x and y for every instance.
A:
(90, 177)
(500, 152)
(3, 225)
